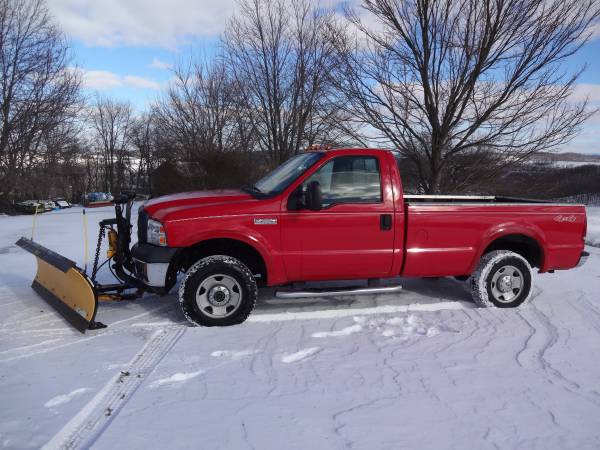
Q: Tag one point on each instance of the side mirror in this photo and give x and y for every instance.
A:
(296, 200)
(313, 198)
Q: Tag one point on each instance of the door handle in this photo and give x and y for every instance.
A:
(385, 222)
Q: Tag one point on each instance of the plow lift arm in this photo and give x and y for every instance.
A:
(70, 291)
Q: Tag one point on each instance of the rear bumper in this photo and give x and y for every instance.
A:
(583, 258)
(152, 263)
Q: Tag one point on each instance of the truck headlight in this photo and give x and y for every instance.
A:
(156, 233)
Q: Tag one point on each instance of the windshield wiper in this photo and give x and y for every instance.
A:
(253, 190)
(250, 188)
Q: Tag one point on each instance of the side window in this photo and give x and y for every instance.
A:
(349, 179)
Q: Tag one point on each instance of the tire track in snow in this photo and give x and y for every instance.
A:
(589, 313)
(89, 424)
(339, 424)
(25, 348)
(487, 324)
(10, 303)
(533, 354)
(462, 336)
(112, 328)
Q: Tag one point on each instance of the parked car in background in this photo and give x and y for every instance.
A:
(97, 199)
(62, 203)
(30, 207)
(49, 205)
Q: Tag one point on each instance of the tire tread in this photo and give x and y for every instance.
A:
(248, 280)
(478, 281)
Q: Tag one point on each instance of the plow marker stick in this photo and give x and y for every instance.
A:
(34, 221)
(85, 242)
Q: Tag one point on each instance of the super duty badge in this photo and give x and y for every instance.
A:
(265, 221)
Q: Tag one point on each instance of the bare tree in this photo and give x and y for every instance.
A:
(111, 121)
(38, 93)
(442, 78)
(281, 54)
(144, 138)
(202, 112)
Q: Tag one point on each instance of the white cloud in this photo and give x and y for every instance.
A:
(595, 32)
(587, 90)
(162, 23)
(591, 92)
(140, 82)
(102, 80)
(141, 22)
(161, 65)
(587, 141)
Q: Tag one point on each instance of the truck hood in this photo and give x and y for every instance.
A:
(158, 207)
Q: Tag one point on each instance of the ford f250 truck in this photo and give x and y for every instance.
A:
(341, 215)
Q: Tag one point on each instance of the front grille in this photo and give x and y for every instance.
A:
(142, 226)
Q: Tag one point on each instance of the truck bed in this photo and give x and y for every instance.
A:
(457, 199)
(449, 233)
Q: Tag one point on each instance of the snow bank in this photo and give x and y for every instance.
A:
(300, 355)
(405, 327)
(593, 229)
(177, 378)
(357, 327)
(66, 398)
(398, 327)
(234, 354)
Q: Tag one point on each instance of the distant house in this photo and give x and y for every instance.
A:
(171, 177)
(212, 171)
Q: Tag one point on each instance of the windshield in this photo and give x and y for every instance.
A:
(284, 175)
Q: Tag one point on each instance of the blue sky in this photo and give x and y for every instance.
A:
(134, 73)
(126, 48)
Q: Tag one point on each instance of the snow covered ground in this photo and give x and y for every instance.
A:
(422, 369)
(593, 231)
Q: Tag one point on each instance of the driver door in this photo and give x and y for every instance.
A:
(352, 236)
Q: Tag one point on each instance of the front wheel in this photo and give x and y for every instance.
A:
(502, 279)
(217, 291)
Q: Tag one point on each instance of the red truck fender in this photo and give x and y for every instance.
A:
(273, 264)
(506, 230)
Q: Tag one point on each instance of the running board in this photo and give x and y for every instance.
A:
(337, 292)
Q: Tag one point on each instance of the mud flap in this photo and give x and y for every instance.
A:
(64, 286)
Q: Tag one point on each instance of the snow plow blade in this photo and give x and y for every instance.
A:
(64, 286)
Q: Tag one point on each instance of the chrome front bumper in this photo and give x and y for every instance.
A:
(583, 258)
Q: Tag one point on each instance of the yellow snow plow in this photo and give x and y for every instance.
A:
(64, 286)
(70, 291)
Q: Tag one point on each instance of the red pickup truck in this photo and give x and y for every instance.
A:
(340, 215)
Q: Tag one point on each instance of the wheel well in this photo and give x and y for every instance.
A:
(230, 247)
(525, 246)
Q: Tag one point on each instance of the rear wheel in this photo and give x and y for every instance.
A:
(217, 291)
(502, 279)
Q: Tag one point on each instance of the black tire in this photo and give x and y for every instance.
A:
(213, 268)
(488, 287)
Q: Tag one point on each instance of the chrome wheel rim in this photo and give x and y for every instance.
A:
(507, 283)
(219, 296)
